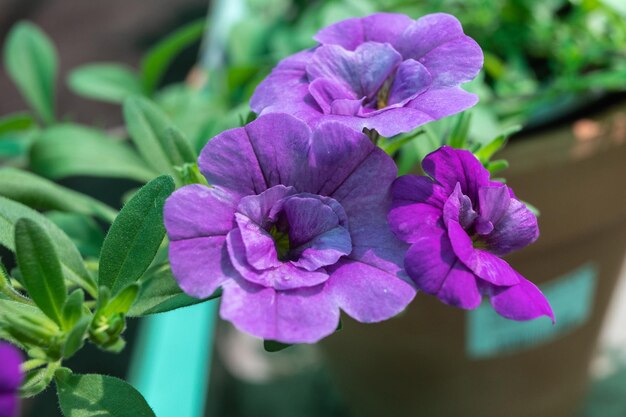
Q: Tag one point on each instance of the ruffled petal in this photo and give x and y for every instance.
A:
(436, 270)
(10, 375)
(409, 189)
(362, 71)
(406, 222)
(304, 315)
(366, 293)
(517, 229)
(285, 276)
(198, 211)
(326, 92)
(484, 264)
(442, 102)
(286, 90)
(411, 79)
(200, 265)
(379, 27)
(521, 302)
(437, 41)
(451, 166)
(9, 404)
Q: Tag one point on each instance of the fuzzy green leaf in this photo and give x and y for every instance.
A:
(71, 261)
(94, 395)
(31, 61)
(162, 146)
(40, 267)
(135, 236)
(106, 82)
(42, 194)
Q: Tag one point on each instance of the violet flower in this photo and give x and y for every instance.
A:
(293, 229)
(385, 72)
(459, 223)
(10, 380)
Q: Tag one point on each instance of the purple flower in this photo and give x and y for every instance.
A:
(459, 223)
(10, 380)
(384, 72)
(293, 229)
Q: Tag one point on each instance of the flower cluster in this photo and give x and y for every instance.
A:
(10, 380)
(293, 226)
(384, 72)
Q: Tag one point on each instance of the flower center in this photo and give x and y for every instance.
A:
(281, 241)
(382, 98)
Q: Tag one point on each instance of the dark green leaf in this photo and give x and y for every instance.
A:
(159, 57)
(107, 82)
(99, 396)
(71, 261)
(69, 150)
(497, 166)
(274, 346)
(135, 236)
(40, 267)
(161, 146)
(160, 293)
(42, 194)
(31, 62)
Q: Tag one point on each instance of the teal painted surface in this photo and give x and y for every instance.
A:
(172, 359)
(571, 297)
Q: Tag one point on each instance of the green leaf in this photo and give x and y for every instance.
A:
(121, 303)
(160, 293)
(40, 267)
(16, 122)
(76, 337)
(135, 236)
(162, 146)
(68, 150)
(94, 395)
(159, 57)
(37, 381)
(460, 130)
(485, 153)
(31, 62)
(274, 346)
(107, 82)
(497, 166)
(42, 194)
(71, 261)
(73, 308)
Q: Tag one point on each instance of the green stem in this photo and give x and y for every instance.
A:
(7, 289)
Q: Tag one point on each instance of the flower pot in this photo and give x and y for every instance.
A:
(437, 361)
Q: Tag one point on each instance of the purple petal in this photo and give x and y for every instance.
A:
(9, 405)
(406, 222)
(366, 293)
(451, 166)
(350, 33)
(259, 207)
(198, 211)
(493, 202)
(485, 265)
(258, 244)
(442, 102)
(521, 302)
(346, 107)
(436, 270)
(411, 80)
(516, 229)
(438, 42)
(362, 71)
(200, 265)
(326, 91)
(458, 208)
(409, 189)
(388, 122)
(285, 276)
(10, 374)
(297, 316)
(286, 90)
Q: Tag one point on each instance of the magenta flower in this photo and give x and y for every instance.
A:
(459, 223)
(293, 229)
(384, 72)
(10, 380)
